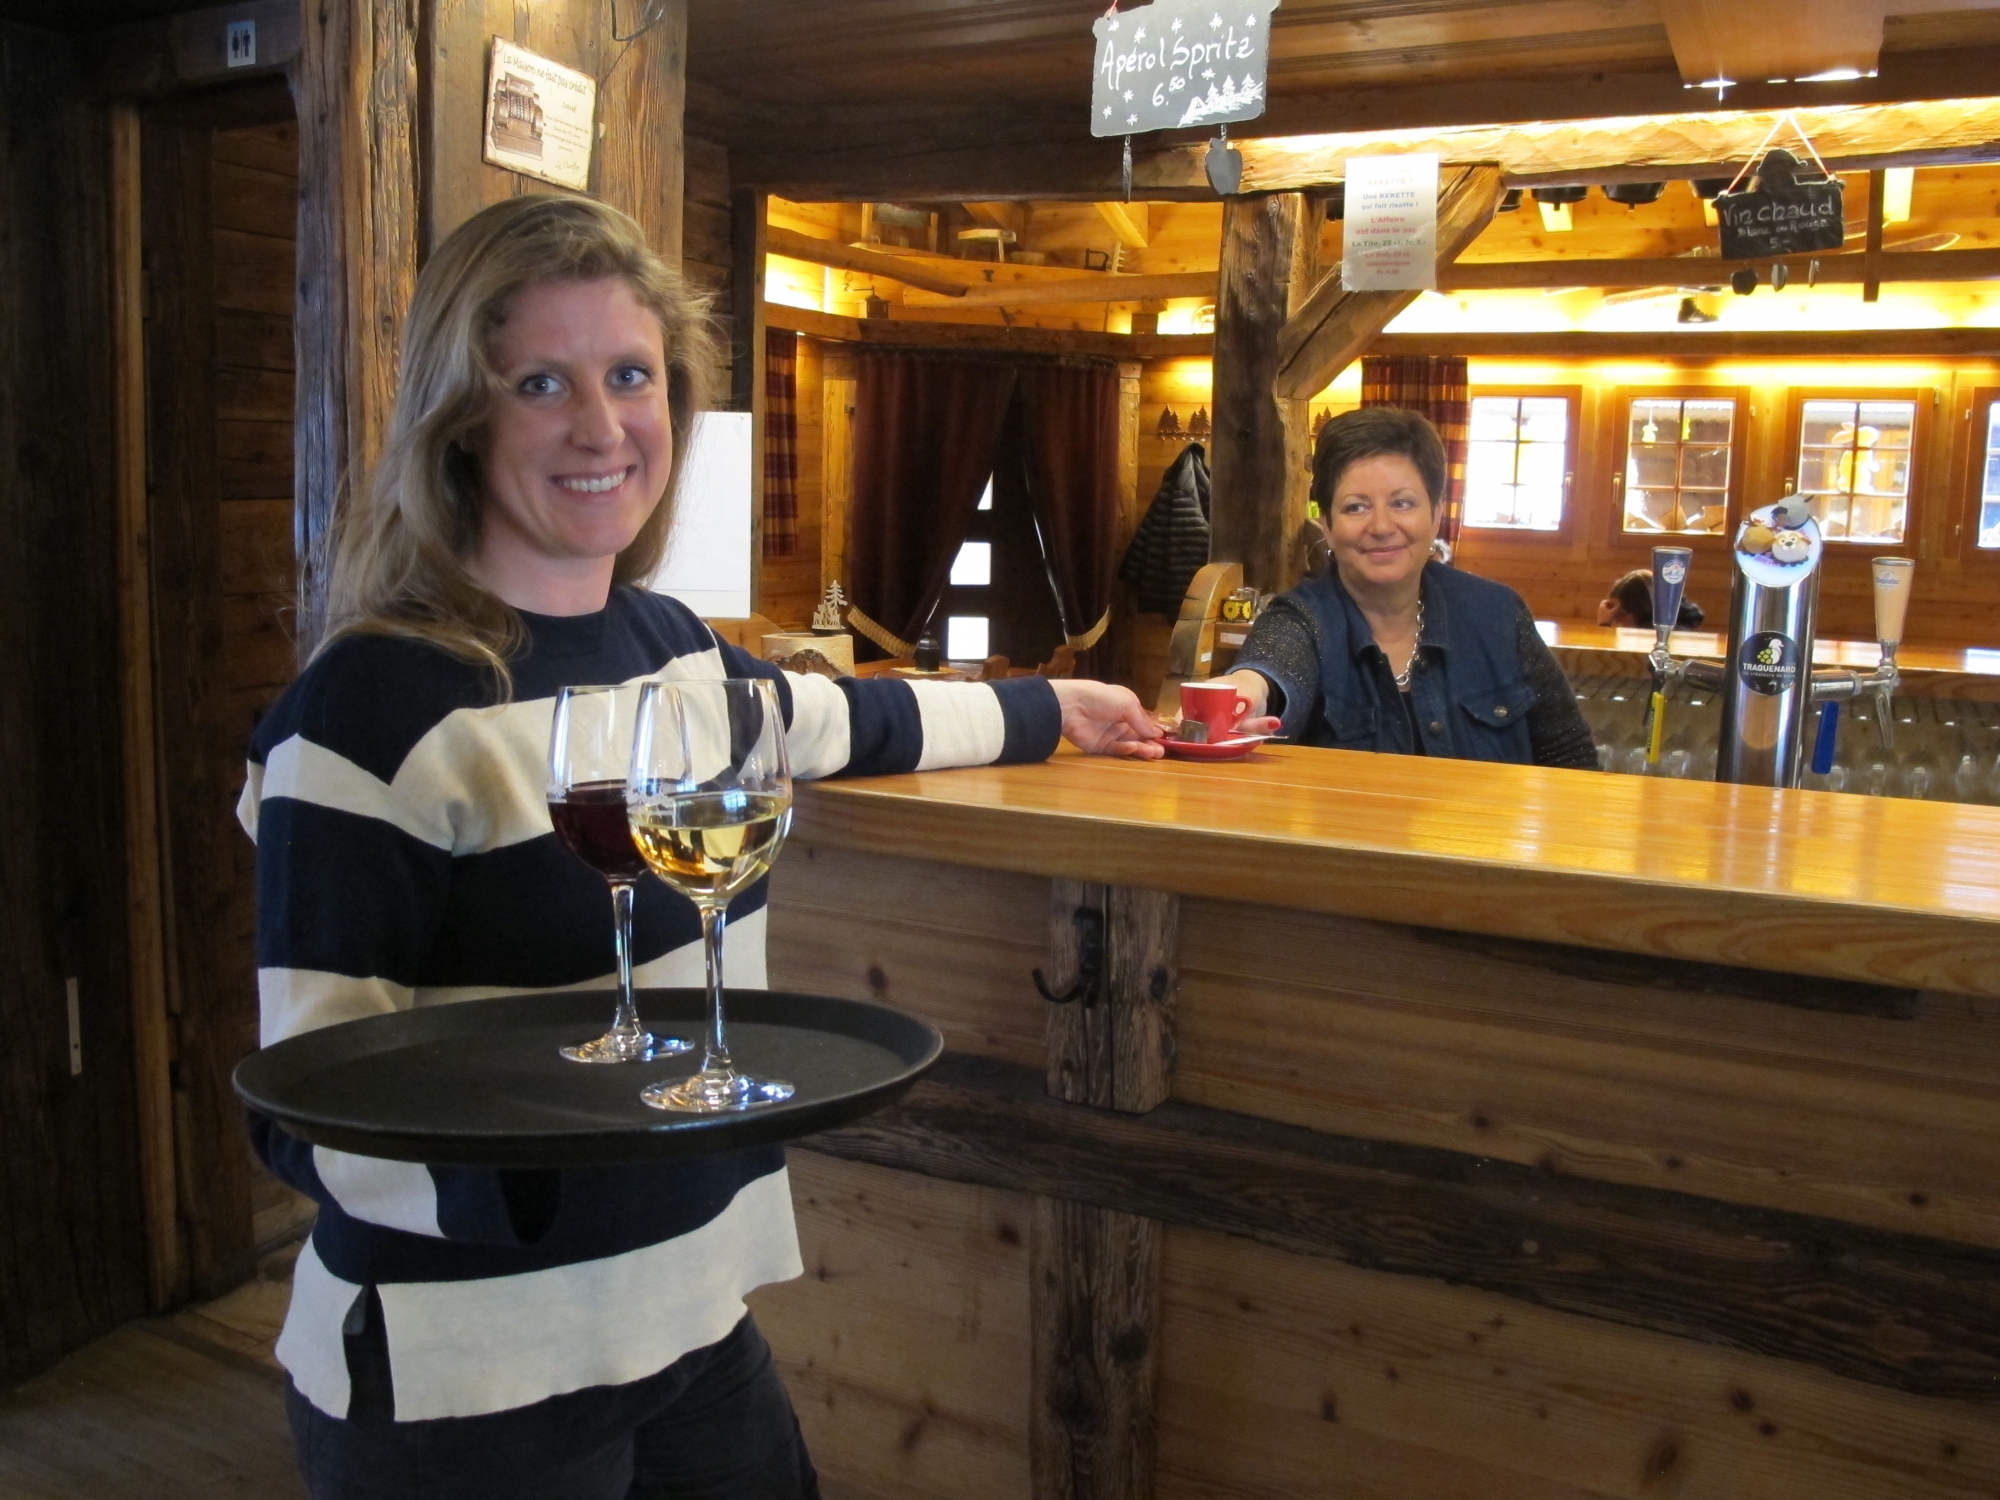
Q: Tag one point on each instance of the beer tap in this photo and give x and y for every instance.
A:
(1892, 577)
(1670, 571)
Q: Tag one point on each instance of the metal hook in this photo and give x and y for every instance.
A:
(1089, 961)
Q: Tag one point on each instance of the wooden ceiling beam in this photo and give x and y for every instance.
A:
(1334, 325)
(1738, 39)
(895, 333)
(806, 247)
(1705, 343)
(1835, 269)
(918, 156)
(1128, 221)
(1097, 286)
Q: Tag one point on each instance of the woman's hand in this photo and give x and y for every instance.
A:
(1101, 719)
(1257, 688)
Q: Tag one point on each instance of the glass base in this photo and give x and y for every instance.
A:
(716, 1092)
(614, 1048)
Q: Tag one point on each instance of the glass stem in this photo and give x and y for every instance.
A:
(715, 1051)
(626, 1024)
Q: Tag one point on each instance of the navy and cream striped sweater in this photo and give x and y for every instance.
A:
(405, 857)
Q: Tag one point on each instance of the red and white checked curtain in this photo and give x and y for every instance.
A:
(781, 443)
(1435, 385)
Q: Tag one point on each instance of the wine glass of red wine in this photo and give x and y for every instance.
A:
(590, 749)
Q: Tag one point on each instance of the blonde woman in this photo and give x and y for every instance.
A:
(497, 1334)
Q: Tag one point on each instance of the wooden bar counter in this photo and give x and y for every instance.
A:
(1425, 1131)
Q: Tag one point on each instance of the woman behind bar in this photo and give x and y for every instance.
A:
(574, 1335)
(1389, 650)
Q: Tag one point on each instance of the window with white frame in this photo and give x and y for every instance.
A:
(1517, 462)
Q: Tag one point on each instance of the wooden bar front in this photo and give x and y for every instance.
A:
(1456, 1131)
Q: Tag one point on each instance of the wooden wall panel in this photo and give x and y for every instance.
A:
(1284, 1376)
(951, 945)
(72, 1249)
(1396, 1033)
(905, 1345)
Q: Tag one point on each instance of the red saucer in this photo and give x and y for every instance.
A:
(1229, 749)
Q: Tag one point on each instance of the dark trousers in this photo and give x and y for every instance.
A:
(714, 1425)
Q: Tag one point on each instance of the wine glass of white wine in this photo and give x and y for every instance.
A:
(710, 801)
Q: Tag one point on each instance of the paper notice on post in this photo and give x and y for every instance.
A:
(1389, 232)
(539, 117)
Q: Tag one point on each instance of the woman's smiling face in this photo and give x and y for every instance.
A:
(1382, 522)
(580, 446)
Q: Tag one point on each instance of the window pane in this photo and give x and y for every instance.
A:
(1544, 419)
(1989, 508)
(1709, 421)
(1493, 419)
(1653, 466)
(1891, 422)
(1705, 468)
(973, 567)
(1882, 472)
(1703, 511)
(1488, 464)
(1826, 470)
(965, 637)
(1655, 422)
(1649, 510)
(1827, 424)
(1492, 505)
(1541, 464)
(1540, 506)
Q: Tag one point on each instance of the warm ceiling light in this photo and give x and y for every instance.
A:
(1897, 184)
(1555, 217)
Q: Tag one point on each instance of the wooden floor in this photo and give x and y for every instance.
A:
(189, 1407)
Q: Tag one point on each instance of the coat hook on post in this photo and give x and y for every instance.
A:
(1089, 962)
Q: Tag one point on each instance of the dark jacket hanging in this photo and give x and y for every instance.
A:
(1171, 544)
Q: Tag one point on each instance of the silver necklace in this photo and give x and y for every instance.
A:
(1416, 642)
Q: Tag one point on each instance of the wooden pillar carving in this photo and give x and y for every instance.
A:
(1095, 1309)
(1113, 1047)
(1260, 440)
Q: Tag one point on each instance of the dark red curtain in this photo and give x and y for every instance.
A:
(1069, 428)
(926, 433)
(1437, 386)
(781, 442)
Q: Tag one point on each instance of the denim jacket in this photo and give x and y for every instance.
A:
(1468, 684)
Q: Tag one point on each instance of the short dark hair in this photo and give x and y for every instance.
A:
(1371, 432)
(1633, 593)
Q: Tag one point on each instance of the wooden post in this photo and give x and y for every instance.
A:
(1094, 1306)
(152, 1047)
(1871, 285)
(1260, 436)
(356, 87)
(749, 218)
(1114, 1048)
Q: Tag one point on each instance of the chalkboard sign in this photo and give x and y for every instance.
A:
(1180, 63)
(1784, 214)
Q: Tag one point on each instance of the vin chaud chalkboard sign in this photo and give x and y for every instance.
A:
(1790, 210)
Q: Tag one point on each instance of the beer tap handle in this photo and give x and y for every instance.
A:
(1893, 576)
(1670, 570)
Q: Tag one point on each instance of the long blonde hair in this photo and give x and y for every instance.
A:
(400, 543)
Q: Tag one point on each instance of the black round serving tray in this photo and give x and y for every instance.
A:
(481, 1082)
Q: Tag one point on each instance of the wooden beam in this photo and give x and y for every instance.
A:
(1113, 1047)
(1329, 332)
(1260, 436)
(1835, 268)
(1128, 221)
(1094, 1308)
(1736, 39)
(142, 59)
(145, 892)
(641, 157)
(1092, 287)
(789, 242)
(898, 333)
(1871, 283)
(1706, 343)
(356, 86)
(749, 238)
(1895, 1311)
(1632, 127)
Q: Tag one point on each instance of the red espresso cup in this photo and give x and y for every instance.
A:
(1216, 705)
